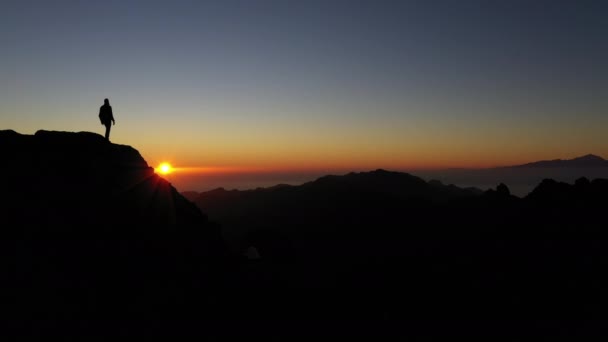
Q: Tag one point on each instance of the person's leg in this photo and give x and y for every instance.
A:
(108, 132)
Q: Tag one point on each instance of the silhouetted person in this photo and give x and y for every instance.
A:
(106, 117)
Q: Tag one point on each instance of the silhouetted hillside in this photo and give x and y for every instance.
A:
(388, 249)
(94, 241)
(338, 198)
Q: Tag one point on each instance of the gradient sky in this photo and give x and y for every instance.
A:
(314, 84)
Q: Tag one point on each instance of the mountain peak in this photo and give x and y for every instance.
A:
(589, 158)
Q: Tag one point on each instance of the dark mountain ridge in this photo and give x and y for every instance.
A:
(389, 247)
(336, 198)
(397, 185)
(380, 197)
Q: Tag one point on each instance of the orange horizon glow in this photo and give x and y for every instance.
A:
(345, 166)
(165, 168)
(251, 161)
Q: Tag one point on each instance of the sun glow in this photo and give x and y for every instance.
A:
(164, 168)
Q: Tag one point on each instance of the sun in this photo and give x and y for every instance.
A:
(165, 168)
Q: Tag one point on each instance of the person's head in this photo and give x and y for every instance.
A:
(106, 102)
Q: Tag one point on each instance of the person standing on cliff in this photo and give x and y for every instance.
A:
(106, 117)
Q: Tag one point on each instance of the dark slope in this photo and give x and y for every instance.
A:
(93, 239)
(69, 180)
(190, 195)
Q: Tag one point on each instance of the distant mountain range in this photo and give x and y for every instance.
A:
(589, 160)
(522, 179)
(287, 208)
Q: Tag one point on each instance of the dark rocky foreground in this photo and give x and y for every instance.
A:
(95, 244)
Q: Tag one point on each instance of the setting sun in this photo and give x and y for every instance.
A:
(164, 168)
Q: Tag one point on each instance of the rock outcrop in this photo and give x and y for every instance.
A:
(91, 235)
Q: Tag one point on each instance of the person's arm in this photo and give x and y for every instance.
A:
(112, 116)
(100, 115)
